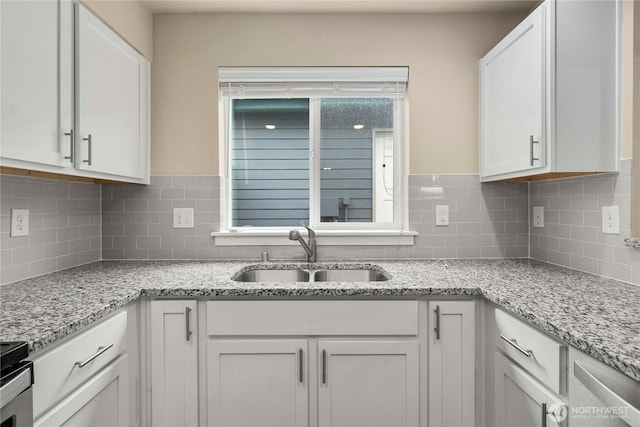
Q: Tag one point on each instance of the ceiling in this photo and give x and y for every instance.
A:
(338, 6)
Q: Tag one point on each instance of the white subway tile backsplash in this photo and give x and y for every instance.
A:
(60, 217)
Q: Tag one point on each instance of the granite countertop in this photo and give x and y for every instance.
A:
(596, 315)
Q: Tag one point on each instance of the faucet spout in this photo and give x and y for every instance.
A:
(309, 248)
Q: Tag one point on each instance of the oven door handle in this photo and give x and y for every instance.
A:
(17, 385)
(630, 415)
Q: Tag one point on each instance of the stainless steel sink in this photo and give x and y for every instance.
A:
(272, 276)
(355, 275)
(311, 273)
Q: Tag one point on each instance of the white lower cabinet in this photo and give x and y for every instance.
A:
(521, 401)
(174, 363)
(451, 348)
(258, 382)
(88, 379)
(318, 363)
(101, 401)
(368, 383)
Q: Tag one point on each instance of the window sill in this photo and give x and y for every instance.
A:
(323, 238)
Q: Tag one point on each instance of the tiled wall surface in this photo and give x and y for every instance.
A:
(137, 220)
(64, 226)
(486, 221)
(75, 223)
(572, 235)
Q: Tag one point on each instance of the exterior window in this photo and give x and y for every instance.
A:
(325, 154)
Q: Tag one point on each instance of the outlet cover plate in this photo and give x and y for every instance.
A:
(442, 215)
(183, 218)
(538, 216)
(19, 222)
(611, 219)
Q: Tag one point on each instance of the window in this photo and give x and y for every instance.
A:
(313, 146)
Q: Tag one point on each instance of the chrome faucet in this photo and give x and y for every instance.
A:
(310, 248)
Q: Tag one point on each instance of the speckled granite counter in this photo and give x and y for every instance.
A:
(596, 315)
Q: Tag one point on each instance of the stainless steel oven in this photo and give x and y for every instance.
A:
(16, 401)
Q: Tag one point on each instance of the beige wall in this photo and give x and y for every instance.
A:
(441, 50)
(129, 18)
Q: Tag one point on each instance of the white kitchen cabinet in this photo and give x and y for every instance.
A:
(37, 82)
(101, 401)
(75, 96)
(258, 383)
(111, 101)
(314, 362)
(368, 383)
(451, 348)
(549, 95)
(521, 401)
(89, 379)
(174, 363)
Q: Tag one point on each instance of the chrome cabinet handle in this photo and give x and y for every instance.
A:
(72, 146)
(187, 315)
(98, 353)
(301, 366)
(88, 139)
(631, 414)
(531, 142)
(324, 366)
(437, 328)
(544, 414)
(513, 343)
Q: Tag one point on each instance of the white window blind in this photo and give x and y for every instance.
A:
(326, 82)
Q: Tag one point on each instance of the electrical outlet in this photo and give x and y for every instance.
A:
(538, 216)
(442, 215)
(611, 219)
(19, 222)
(183, 218)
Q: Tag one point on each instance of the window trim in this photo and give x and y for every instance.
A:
(330, 233)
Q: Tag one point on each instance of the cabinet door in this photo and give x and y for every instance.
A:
(101, 401)
(519, 399)
(368, 383)
(112, 101)
(258, 383)
(174, 363)
(452, 364)
(511, 100)
(36, 80)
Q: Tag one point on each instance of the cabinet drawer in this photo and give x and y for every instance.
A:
(57, 373)
(312, 318)
(542, 356)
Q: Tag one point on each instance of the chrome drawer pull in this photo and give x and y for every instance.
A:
(513, 343)
(437, 328)
(187, 315)
(98, 353)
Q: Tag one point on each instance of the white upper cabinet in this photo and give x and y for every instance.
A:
(112, 101)
(68, 78)
(549, 94)
(37, 79)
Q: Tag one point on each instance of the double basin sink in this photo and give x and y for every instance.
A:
(311, 273)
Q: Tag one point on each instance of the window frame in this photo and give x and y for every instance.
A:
(343, 229)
